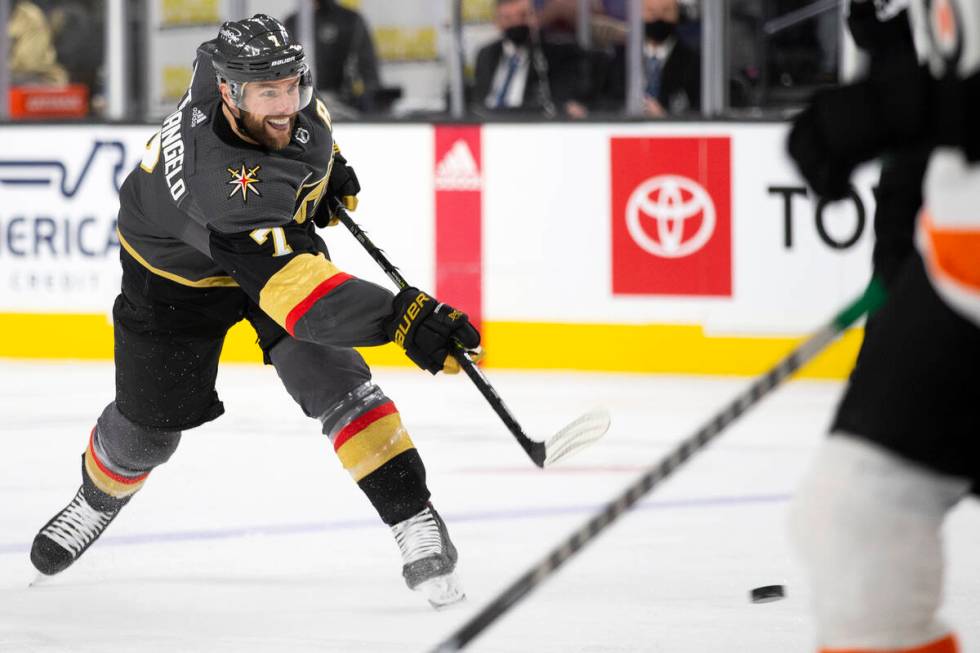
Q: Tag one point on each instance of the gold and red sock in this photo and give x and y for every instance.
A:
(107, 477)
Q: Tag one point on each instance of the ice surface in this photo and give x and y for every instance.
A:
(254, 539)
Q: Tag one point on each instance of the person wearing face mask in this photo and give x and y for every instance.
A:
(671, 69)
(523, 72)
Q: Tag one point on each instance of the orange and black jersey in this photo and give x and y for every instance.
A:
(207, 209)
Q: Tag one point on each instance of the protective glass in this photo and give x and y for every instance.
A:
(276, 98)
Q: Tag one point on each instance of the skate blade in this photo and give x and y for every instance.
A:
(38, 580)
(442, 591)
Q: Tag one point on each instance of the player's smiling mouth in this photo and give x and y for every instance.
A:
(279, 124)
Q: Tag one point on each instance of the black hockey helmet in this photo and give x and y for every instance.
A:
(259, 49)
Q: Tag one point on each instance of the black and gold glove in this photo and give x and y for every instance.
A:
(342, 185)
(428, 331)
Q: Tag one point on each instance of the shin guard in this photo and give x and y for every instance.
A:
(373, 446)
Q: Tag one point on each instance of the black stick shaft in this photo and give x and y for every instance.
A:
(613, 510)
(372, 249)
(535, 450)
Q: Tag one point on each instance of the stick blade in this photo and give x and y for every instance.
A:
(579, 434)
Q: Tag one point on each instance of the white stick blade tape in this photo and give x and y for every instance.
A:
(582, 432)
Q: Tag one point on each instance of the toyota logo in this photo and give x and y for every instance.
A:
(669, 201)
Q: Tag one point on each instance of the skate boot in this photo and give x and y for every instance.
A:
(429, 558)
(74, 529)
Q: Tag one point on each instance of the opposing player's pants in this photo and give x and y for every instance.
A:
(867, 525)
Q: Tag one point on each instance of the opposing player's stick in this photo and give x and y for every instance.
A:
(762, 386)
(583, 431)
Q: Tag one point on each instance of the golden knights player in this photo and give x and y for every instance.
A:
(217, 225)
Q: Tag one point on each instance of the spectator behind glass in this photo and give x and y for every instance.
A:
(32, 55)
(523, 71)
(671, 69)
(77, 38)
(346, 65)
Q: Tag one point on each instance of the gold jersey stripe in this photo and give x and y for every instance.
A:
(207, 282)
(314, 193)
(294, 283)
(374, 446)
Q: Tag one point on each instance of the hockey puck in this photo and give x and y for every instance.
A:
(767, 593)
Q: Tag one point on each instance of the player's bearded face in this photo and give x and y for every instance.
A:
(274, 132)
(271, 111)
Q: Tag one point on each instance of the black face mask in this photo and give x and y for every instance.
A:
(518, 34)
(659, 30)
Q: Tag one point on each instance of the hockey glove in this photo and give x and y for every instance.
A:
(428, 331)
(343, 185)
(853, 123)
(827, 172)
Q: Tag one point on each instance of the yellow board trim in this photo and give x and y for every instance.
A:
(652, 348)
(372, 447)
(207, 282)
(294, 283)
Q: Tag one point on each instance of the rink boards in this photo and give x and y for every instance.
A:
(653, 247)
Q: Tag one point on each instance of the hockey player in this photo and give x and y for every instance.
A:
(217, 225)
(905, 445)
(882, 31)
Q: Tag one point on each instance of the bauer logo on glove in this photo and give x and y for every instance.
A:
(408, 318)
(429, 331)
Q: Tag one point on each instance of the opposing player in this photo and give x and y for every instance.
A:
(882, 31)
(217, 225)
(905, 445)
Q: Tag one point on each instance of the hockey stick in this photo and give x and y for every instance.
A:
(872, 298)
(583, 431)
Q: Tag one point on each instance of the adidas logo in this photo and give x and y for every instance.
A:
(197, 117)
(458, 169)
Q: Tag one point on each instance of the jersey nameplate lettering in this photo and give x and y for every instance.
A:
(173, 155)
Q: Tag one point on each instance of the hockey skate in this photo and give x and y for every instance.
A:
(73, 530)
(429, 558)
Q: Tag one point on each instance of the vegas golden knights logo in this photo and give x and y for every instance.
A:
(243, 181)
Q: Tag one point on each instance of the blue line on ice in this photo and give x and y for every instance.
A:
(326, 526)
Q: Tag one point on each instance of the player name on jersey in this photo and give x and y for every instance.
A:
(173, 154)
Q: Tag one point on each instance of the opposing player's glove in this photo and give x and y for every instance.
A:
(342, 185)
(853, 123)
(826, 169)
(428, 330)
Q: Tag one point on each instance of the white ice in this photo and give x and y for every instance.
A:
(253, 538)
